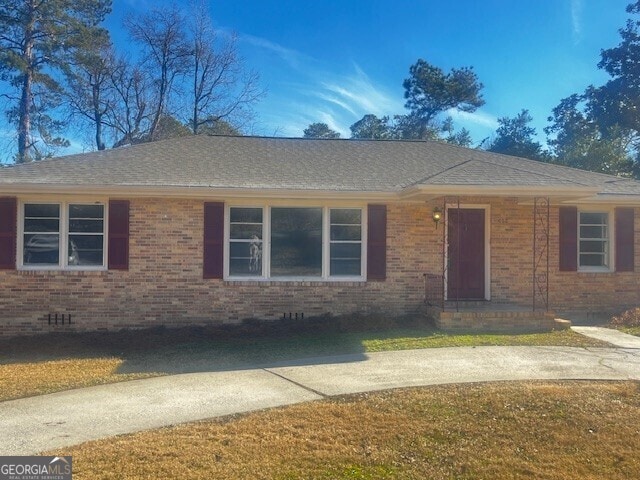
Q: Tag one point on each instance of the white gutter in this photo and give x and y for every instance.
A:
(609, 199)
(131, 191)
(500, 190)
(580, 194)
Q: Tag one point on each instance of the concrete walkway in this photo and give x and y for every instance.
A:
(54, 421)
(614, 337)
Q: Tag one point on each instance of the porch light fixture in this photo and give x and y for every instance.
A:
(437, 216)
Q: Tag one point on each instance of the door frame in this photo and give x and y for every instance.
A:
(487, 245)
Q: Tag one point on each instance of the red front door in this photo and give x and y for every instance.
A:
(465, 273)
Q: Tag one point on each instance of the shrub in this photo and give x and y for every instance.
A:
(630, 318)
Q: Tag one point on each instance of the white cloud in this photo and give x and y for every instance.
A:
(359, 95)
(344, 98)
(292, 57)
(336, 101)
(312, 93)
(333, 124)
(477, 118)
(576, 20)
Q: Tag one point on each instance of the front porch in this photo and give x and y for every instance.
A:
(486, 316)
(479, 237)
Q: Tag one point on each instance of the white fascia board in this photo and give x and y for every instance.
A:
(192, 192)
(606, 199)
(499, 190)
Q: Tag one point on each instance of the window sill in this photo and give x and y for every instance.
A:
(61, 269)
(309, 281)
(595, 270)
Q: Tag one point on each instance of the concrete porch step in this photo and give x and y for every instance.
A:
(489, 317)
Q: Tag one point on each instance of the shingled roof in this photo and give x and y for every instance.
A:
(261, 163)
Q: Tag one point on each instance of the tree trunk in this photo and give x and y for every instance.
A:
(196, 71)
(161, 100)
(24, 121)
(26, 97)
(97, 115)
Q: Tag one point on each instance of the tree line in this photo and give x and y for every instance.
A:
(598, 129)
(59, 67)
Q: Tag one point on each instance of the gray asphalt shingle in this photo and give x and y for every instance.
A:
(303, 164)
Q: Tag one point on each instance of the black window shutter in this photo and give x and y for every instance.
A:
(625, 240)
(8, 233)
(568, 233)
(213, 240)
(377, 242)
(118, 235)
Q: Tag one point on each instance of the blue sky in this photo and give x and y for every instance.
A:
(333, 61)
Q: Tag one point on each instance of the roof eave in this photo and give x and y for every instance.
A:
(131, 191)
(608, 198)
(575, 192)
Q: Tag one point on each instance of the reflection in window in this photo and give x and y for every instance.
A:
(346, 242)
(86, 235)
(245, 241)
(296, 242)
(41, 234)
(66, 235)
(594, 239)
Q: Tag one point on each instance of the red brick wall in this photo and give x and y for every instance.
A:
(164, 284)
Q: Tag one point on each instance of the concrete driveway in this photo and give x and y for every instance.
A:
(58, 420)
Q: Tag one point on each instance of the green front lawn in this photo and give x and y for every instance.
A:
(50, 363)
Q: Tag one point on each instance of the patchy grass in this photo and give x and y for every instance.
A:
(50, 363)
(551, 430)
(436, 339)
(630, 330)
(37, 378)
(627, 322)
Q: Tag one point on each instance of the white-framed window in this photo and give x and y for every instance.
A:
(346, 242)
(245, 241)
(594, 240)
(294, 242)
(62, 235)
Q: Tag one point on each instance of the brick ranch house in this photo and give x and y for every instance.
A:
(202, 230)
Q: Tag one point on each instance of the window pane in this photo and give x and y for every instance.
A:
(346, 250)
(345, 267)
(42, 210)
(86, 211)
(593, 232)
(592, 246)
(245, 231)
(86, 218)
(340, 232)
(39, 225)
(86, 250)
(350, 216)
(41, 249)
(345, 259)
(593, 218)
(85, 226)
(40, 218)
(296, 242)
(595, 252)
(592, 260)
(245, 215)
(245, 258)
